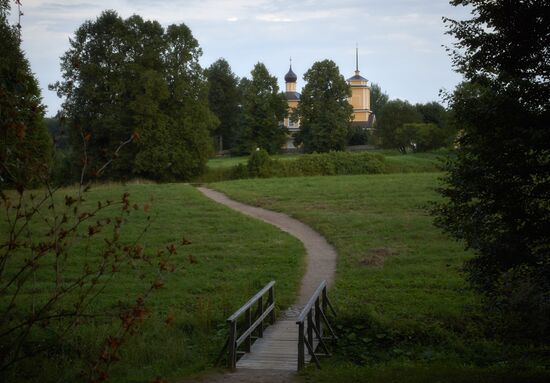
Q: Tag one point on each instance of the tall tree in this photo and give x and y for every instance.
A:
(378, 98)
(264, 109)
(224, 98)
(132, 78)
(434, 113)
(391, 119)
(436, 131)
(498, 185)
(25, 146)
(324, 111)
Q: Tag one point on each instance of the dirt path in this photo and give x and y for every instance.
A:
(320, 265)
(321, 256)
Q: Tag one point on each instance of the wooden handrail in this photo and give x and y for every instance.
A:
(252, 324)
(313, 320)
(311, 301)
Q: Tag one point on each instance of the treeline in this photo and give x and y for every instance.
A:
(405, 126)
(136, 98)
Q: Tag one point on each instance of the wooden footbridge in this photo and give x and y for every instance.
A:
(257, 341)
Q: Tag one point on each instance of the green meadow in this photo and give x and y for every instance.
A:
(405, 310)
(230, 257)
(406, 313)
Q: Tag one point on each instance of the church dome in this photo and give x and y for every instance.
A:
(291, 76)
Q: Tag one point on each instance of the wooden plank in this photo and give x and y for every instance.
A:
(277, 350)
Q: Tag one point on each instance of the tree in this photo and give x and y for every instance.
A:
(378, 99)
(434, 113)
(224, 98)
(498, 185)
(43, 233)
(25, 146)
(436, 131)
(324, 111)
(391, 119)
(264, 109)
(132, 78)
(420, 137)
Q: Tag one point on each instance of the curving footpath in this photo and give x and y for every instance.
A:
(320, 265)
(321, 256)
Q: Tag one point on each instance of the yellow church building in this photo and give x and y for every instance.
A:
(359, 100)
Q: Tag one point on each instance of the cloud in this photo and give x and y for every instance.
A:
(273, 18)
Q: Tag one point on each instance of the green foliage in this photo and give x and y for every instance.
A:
(421, 127)
(421, 137)
(334, 163)
(378, 99)
(315, 164)
(132, 78)
(25, 146)
(358, 135)
(324, 112)
(263, 110)
(498, 185)
(394, 114)
(259, 164)
(224, 98)
(434, 113)
(57, 133)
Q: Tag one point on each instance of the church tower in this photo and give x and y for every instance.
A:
(360, 97)
(293, 99)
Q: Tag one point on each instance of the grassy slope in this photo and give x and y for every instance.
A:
(235, 256)
(406, 311)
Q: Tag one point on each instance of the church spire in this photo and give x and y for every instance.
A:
(356, 59)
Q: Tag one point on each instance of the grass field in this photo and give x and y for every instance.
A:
(406, 313)
(233, 257)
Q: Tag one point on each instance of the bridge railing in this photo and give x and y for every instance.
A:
(255, 312)
(312, 323)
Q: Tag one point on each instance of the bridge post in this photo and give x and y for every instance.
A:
(232, 344)
(248, 319)
(271, 299)
(261, 327)
(318, 317)
(310, 330)
(301, 356)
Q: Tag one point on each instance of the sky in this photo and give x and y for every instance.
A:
(401, 42)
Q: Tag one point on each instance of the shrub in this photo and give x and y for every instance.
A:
(333, 163)
(259, 164)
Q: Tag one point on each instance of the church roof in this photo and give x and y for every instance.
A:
(357, 77)
(292, 95)
(291, 76)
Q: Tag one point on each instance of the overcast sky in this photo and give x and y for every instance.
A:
(400, 41)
